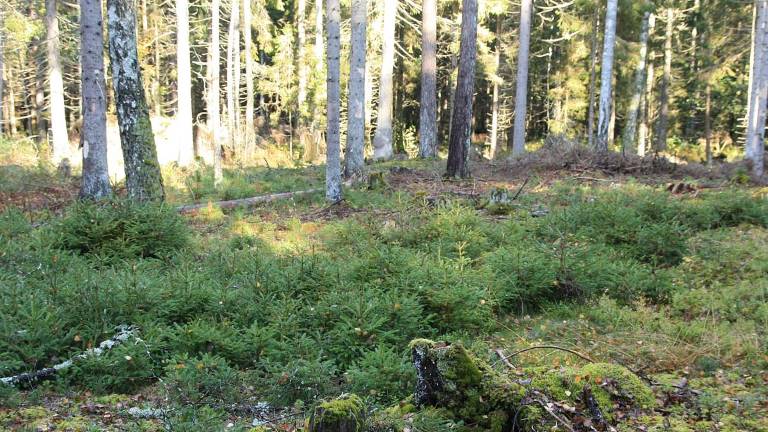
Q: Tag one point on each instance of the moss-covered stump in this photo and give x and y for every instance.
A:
(467, 389)
(344, 414)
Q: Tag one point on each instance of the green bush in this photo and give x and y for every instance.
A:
(117, 230)
(383, 374)
(201, 380)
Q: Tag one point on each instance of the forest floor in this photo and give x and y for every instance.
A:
(657, 267)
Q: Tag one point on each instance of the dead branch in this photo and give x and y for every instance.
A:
(29, 379)
(246, 202)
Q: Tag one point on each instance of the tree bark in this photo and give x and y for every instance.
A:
(495, 101)
(643, 138)
(2, 72)
(755, 146)
(663, 123)
(593, 81)
(95, 181)
(382, 139)
(249, 91)
(59, 137)
(184, 73)
(606, 76)
(630, 129)
(353, 160)
(301, 68)
(708, 124)
(233, 72)
(333, 156)
(461, 125)
(521, 93)
(428, 108)
(214, 92)
(142, 169)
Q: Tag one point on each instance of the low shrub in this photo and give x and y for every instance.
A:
(117, 229)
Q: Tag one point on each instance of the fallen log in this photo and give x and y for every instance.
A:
(246, 202)
(29, 379)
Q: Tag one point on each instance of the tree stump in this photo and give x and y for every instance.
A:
(345, 414)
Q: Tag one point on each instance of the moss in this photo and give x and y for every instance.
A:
(344, 414)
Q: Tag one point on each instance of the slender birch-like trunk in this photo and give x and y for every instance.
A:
(630, 129)
(496, 84)
(662, 127)
(184, 75)
(755, 144)
(353, 160)
(59, 137)
(333, 138)
(593, 81)
(214, 92)
(233, 72)
(606, 76)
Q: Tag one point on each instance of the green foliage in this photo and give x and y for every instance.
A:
(383, 375)
(121, 230)
(201, 380)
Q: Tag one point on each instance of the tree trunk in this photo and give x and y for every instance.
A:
(249, 114)
(95, 182)
(630, 129)
(333, 157)
(345, 414)
(461, 125)
(428, 108)
(593, 81)
(382, 139)
(214, 95)
(156, 83)
(301, 67)
(606, 76)
(142, 170)
(233, 70)
(666, 82)
(643, 138)
(2, 72)
(521, 93)
(59, 137)
(755, 146)
(708, 123)
(496, 84)
(184, 74)
(353, 160)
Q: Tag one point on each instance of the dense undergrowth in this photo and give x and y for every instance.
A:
(275, 307)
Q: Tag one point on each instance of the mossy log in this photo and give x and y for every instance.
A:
(469, 390)
(344, 414)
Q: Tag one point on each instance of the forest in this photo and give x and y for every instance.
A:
(383, 215)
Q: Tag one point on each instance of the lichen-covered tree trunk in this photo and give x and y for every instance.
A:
(662, 127)
(428, 107)
(213, 99)
(59, 137)
(233, 73)
(606, 76)
(382, 139)
(353, 159)
(184, 74)
(461, 124)
(333, 136)
(95, 181)
(521, 92)
(142, 169)
(629, 144)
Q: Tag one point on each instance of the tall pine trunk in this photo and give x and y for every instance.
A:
(606, 76)
(521, 92)
(249, 91)
(593, 80)
(461, 124)
(630, 129)
(302, 69)
(333, 138)
(662, 127)
(233, 71)
(643, 134)
(428, 107)
(353, 160)
(496, 84)
(142, 169)
(59, 137)
(214, 92)
(382, 139)
(184, 75)
(95, 181)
